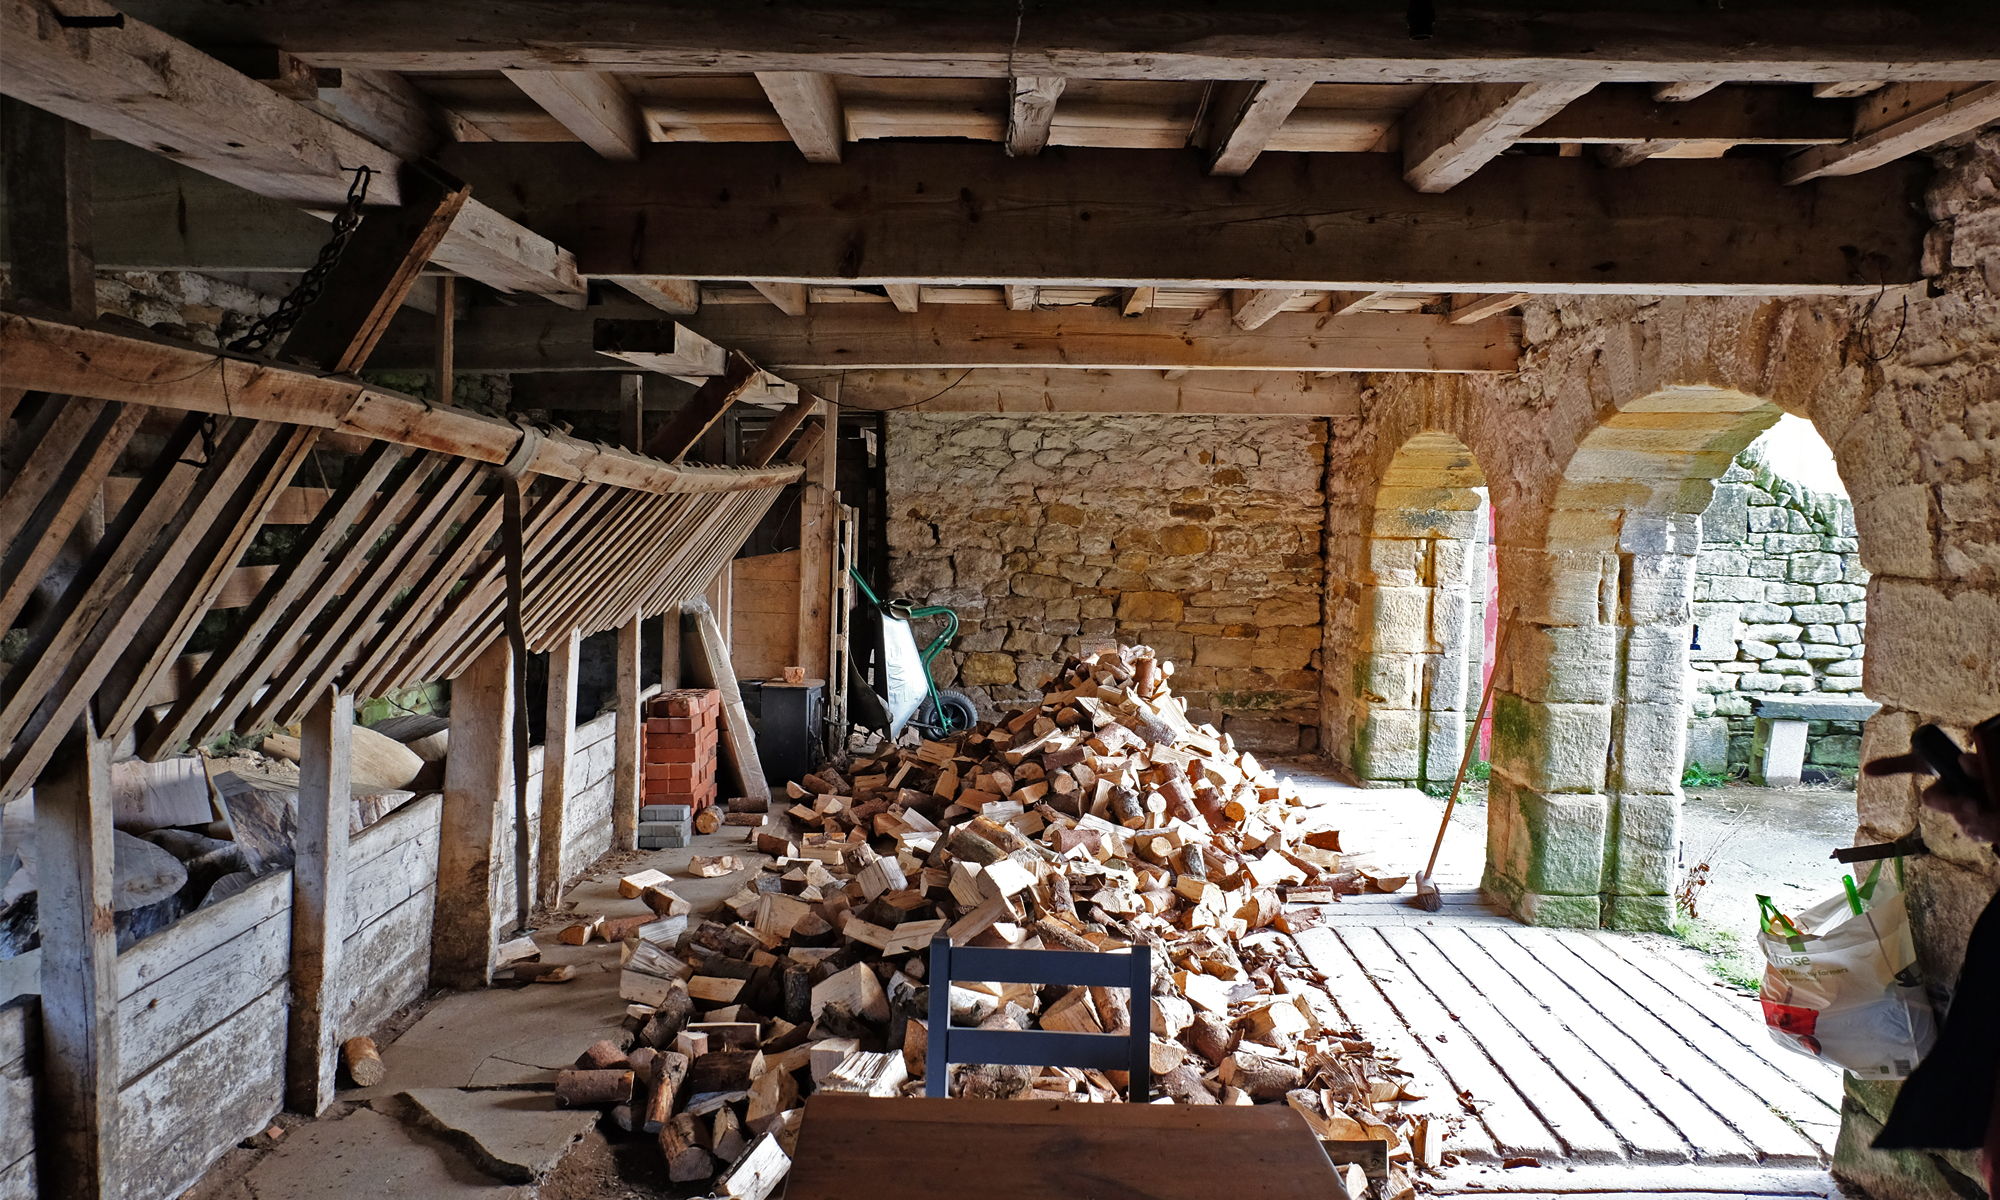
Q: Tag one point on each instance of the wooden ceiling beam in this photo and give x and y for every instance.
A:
(1029, 112)
(1457, 128)
(1625, 112)
(809, 105)
(591, 105)
(1683, 91)
(135, 83)
(681, 297)
(1250, 308)
(52, 356)
(1901, 119)
(1246, 116)
(950, 213)
(1035, 390)
(788, 298)
(1501, 41)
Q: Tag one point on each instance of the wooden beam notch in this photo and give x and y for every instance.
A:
(809, 105)
(1457, 128)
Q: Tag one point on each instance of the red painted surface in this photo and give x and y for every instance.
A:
(1492, 628)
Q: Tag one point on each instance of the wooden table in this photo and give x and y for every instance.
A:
(858, 1148)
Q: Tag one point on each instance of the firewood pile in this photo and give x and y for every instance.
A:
(1099, 819)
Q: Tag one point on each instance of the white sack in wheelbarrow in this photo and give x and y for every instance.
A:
(1842, 986)
(907, 684)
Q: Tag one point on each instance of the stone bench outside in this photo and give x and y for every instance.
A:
(1778, 749)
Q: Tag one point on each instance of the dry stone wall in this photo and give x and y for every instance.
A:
(1780, 606)
(1051, 534)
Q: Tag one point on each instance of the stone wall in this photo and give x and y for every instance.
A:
(1780, 604)
(1199, 536)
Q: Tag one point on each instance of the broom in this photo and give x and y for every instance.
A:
(1428, 898)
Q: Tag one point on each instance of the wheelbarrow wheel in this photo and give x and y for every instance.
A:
(959, 715)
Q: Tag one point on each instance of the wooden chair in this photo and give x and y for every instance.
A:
(1129, 1052)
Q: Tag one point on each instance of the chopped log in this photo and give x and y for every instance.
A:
(771, 1093)
(868, 1074)
(537, 973)
(1127, 808)
(634, 885)
(604, 1055)
(681, 1144)
(1264, 1078)
(578, 1089)
(670, 1070)
(1184, 1084)
(581, 932)
(758, 1172)
(725, 1137)
(521, 949)
(714, 866)
(1057, 936)
(708, 821)
(617, 929)
(1211, 1037)
(641, 1062)
(363, 1061)
(665, 902)
(857, 989)
(723, 1071)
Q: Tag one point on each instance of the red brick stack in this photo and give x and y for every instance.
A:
(680, 748)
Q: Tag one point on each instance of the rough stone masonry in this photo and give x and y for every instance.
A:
(1055, 534)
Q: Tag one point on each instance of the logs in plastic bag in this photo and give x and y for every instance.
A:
(1840, 979)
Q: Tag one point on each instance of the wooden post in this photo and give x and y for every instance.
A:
(625, 769)
(559, 730)
(319, 903)
(817, 514)
(476, 776)
(77, 1110)
(720, 594)
(632, 399)
(48, 208)
(446, 321)
(670, 649)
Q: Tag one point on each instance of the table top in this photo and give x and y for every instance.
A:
(862, 1148)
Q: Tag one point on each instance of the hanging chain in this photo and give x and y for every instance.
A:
(279, 323)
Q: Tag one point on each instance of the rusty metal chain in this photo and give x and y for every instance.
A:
(275, 326)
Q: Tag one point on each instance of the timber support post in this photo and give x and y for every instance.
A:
(319, 903)
(476, 777)
(559, 732)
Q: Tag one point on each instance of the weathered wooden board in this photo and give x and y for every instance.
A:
(181, 1116)
(201, 931)
(388, 963)
(163, 1018)
(20, 1052)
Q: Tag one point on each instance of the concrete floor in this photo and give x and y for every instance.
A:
(1774, 841)
(1569, 1072)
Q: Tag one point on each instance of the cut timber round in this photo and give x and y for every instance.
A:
(579, 1089)
(363, 1061)
(707, 821)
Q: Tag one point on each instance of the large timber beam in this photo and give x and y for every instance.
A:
(52, 356)
(877, 337)
(1502, 41)
(942, 213)
(135, 83)
(1197, 393)
(591, 105)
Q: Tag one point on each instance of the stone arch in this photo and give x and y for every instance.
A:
(1422, 597)
(1590, 715)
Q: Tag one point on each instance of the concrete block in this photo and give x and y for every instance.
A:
(1552, 747)
(1388, 744)
(1778, 752)
(1398, 619)
(1708, 744)
(1643, 848)
(1715, 627)
(1639, 914)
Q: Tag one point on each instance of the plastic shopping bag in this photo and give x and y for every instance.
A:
(1840, 980)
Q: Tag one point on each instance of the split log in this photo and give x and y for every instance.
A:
(364, 1061)
(1211, 1037)
(665, 902)
(723, 1071)
(1263, 1078)
(1183, 1083)
(633, 885)
(681, 1144)
(758, 1172)
(725, 1136)
(749, 804)
(578, 1089)
(670, 1070)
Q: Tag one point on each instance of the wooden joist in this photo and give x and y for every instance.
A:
(1504, 41)
(591, 105)
(44, 355)
(1899, 120)
(1029, 112)
(1246, 115)
(140, 85)
(1523, 223)
(687, 427)
(1250, 308)
(1282, 393)
(809, 105)
(1457, 128)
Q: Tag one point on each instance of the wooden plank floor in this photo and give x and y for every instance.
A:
(1603, 1056)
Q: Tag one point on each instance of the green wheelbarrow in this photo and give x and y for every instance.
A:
(906, 696)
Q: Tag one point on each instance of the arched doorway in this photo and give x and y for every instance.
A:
(1423, 614)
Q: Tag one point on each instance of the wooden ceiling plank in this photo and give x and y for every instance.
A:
(809, 105)
(1684, 90)
(1247, 116)
(1218, 393)
(137, 84)
(1029, 112)
(1251, 307)
(1457, 128)
(1906, 125)
(591, 105)
(900, 211)
(55, 356)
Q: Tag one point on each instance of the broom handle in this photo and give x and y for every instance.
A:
(1471, 741)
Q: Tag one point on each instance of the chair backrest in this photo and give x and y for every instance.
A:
(1129, 1052)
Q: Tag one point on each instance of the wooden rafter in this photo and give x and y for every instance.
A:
(682, 433)
(44, 355)
(1899, 120)
(70, 450)
(1030, 109)
(1457, 128)
(1246, 116)
(1250, 308)
(809, 105)
(1684, 90)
